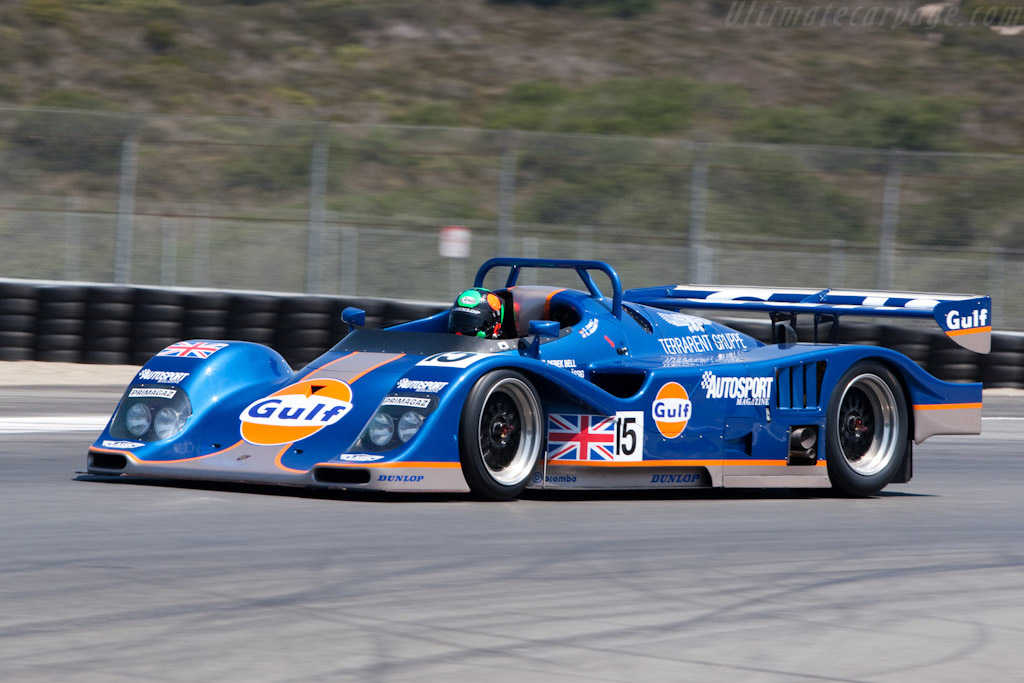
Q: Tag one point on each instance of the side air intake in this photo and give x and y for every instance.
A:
(799, 386)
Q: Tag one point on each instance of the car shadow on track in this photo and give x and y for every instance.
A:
(550, 495)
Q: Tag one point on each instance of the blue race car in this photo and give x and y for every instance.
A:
(568, 389)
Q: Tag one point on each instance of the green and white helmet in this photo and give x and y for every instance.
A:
(476, 313)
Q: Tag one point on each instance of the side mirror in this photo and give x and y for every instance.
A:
(544, 328)
(355, 317)
(538, 329)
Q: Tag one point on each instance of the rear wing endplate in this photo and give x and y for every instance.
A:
(965, 318)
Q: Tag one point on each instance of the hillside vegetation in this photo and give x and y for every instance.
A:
(641, 67)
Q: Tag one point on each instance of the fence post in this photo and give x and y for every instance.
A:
(349, 259)
(890, 218)
(168, 252)
(699, 267)
(317, 191)
(201, 247)
(507, 193)
(72, 240)
(126, 205)
(836, 263)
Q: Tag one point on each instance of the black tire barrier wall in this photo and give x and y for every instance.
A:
(95, 323)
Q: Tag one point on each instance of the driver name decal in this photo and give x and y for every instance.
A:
(295, 412)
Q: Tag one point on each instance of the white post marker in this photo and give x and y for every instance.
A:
(454, 244)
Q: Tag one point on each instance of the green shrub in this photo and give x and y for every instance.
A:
(911, 122)
(47, 12)
(640, 106)
(161, 36)
(72, 140)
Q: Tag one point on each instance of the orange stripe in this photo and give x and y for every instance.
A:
(411, 465)
(948, 406)
(280, 454)
(673, 463)
(368, 370)
(973, 330)
(327, 365)
(547, 303)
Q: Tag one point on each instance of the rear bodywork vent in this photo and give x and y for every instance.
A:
(799, 386)
(341, 475)
(107, 461)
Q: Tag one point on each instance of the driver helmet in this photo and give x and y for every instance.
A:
(476, 313)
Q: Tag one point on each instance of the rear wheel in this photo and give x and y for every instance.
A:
(500, 435)
(866, 430)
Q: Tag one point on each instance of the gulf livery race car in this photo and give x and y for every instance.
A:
(579, 390)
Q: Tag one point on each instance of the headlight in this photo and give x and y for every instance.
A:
(168, 422)
(382, 428)
(138, 418)
(408, 425)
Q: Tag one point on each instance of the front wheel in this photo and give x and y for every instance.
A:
(866, 430)
(500, 436)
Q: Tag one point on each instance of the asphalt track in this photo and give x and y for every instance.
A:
(104, 581)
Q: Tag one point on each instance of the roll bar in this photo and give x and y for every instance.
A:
(582, 269)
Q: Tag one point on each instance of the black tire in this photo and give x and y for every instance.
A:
(866, 430)
(18, 290)
(258, 335)
(58, 342)
(204, 332)
(26, 340)
(956, 372)
(247, 319)
(158, 313)
(105, 357)
(60, 326)
(205, 318)
(19, 307)
(111, 294)
(16, 353)
(119, 343)
(501, 435)
(61, 309)
(304, 321)
(108, 328)
(59, 355)
(303, 338)
(17, 323)
(110, 310)
(157, 328)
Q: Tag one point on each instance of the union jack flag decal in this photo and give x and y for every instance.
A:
(581, 437)
(198, 349)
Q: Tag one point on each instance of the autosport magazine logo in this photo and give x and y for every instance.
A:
(746, 391)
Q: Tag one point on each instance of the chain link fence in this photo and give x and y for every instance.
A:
(326, 208)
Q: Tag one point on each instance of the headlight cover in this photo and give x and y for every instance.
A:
(409, 424)
(138, 418)
(151, 413)
(381, 429)
(397, 420)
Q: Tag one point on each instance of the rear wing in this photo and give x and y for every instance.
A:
(965, 318)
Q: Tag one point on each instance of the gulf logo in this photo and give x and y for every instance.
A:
(295, 412)
(671, 410)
